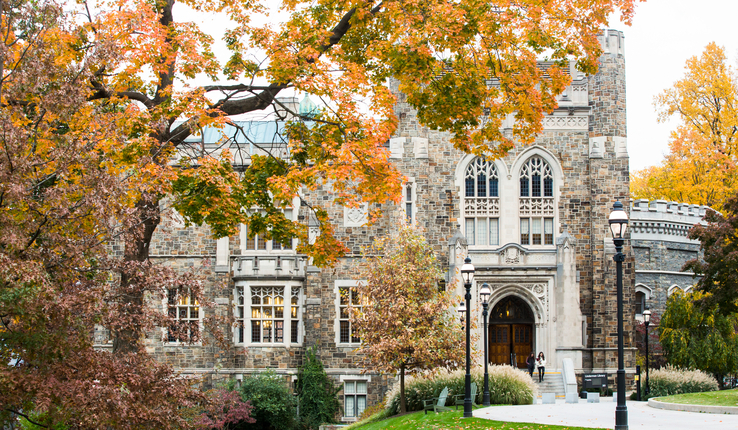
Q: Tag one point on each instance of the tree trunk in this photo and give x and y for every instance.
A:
(403, 405)
(128, 339)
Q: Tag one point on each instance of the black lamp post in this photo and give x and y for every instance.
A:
(462, 310)
(484, 294)
(467, 273)
(618, 224)
(647, 322)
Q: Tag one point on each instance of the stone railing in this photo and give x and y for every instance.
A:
(269, 266)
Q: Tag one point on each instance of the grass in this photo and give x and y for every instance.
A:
(710, 398)
(452, 421)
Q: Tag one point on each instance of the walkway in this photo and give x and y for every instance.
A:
(602, 415)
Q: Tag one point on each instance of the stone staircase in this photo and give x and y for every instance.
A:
(553, 382)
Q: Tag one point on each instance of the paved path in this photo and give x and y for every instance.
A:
(602, 415)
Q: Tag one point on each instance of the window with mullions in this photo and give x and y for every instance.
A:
(347, 296)
(481, 203)
(267, 314)
(536, 179)
(408, 199)
(259, 243)
(354, 398)
(272, 318)
(531, 233)
(536, 203)
(640, 302)
(184, 311)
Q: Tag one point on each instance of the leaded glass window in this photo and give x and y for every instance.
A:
(481, 203)
(354, 398)
(536, 203)
(348, 296)
(184, 313)
(263, 316)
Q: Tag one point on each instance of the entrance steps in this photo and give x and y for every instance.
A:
(553, 382)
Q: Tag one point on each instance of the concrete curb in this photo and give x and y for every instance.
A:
(732, 410)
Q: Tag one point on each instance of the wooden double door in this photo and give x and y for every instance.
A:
(511, 332)
(510, 343)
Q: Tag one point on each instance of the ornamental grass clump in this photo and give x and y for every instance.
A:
(671, 380)
(507, 386)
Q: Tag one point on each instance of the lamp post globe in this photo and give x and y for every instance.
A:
(618, 221)
(467, 274)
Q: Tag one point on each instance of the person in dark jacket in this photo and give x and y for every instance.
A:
(531, 362)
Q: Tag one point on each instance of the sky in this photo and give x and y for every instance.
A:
(664, 34)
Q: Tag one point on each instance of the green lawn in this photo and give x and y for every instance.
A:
(710, 398)
(452, 421)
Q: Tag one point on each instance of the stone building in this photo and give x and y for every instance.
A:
(661, 247)
(534, 224)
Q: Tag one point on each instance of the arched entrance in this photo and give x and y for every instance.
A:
(511, 325)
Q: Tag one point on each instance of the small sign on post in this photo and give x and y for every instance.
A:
(594, 381)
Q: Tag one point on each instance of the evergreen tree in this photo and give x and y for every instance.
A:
(317, 400)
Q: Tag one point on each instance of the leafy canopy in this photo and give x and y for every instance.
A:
(465, 66)
(700, 166)
(697, 338)
(718, 267)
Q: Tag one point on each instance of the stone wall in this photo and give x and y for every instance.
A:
(661, 247)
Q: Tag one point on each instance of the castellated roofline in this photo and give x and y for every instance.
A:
(696, 212)
(612, 41)
(664, 220)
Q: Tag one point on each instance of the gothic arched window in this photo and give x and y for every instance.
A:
(536, 203)
(481, 203)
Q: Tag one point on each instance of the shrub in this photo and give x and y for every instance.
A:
(370, 415)
(670, 380)
(316, 393)
(371, 410)
(273, 405)
(507, 386)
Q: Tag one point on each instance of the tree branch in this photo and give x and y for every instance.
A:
(26, 417)
(262, 100)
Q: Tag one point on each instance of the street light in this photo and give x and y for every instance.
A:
(618, 224)
(647, 322)
(467, 274)
(484, 294)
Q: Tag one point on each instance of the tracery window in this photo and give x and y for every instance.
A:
(536, 203)
(268, 314)
(481, 203)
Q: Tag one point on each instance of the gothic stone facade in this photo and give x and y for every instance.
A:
(534, 224)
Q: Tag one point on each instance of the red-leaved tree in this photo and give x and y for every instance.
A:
(67, 189)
